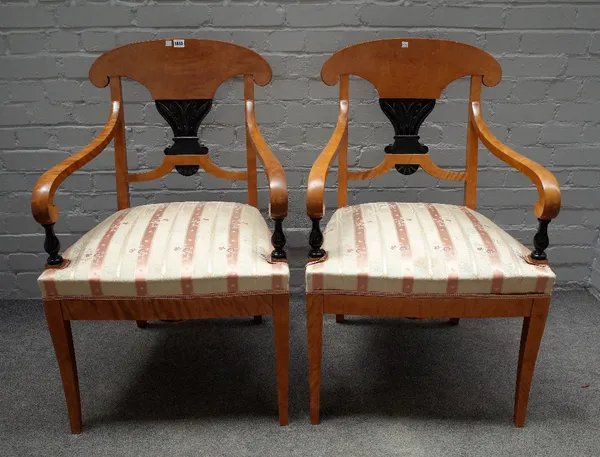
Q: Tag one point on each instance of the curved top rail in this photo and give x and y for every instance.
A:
(172, 73)
(411, 67)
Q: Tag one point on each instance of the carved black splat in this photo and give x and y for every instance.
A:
(541, 241)
(406, 116)
(185, 117)
(52, 246)
(278, 241)
(315, 239)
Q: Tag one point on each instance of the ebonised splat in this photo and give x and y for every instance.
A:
(184, 117)
(406, 116)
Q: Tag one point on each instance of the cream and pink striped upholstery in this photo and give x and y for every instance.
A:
(410, 248)
(171, 249)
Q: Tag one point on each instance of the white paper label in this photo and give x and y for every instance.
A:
(405, 44)
(179, 43)
(168, 43)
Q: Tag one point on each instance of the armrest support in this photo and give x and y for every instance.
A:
(42, 198)
(548, 204)
(315, 194)
(44, 212)
(278, 194)
(278, 206)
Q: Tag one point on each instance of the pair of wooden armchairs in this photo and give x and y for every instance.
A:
(194, 260)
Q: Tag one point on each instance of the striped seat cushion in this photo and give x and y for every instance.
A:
(171, 249)
(411, 248)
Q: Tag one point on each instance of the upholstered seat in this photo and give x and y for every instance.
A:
(412, 248)
(171, 249)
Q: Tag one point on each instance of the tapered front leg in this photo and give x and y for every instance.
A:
(314, 327)
(62, 339)
(281, 320)
(531, 337)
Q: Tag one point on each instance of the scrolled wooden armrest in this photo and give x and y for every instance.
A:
(42, 197)
(548, 205)
(315, 195)
(278, 206)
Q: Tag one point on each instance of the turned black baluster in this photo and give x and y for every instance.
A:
(52, 246)
(541, 241)
(278, 241)
(315, 239)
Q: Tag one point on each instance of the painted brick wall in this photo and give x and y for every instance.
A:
(547, 107)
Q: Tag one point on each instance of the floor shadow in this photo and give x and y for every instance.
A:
(424, 369)
(204, 369)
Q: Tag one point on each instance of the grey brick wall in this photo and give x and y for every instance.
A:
(547, 107)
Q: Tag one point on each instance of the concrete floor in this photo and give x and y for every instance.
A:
(390, 387)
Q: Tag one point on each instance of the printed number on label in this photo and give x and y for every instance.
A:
(179, 43)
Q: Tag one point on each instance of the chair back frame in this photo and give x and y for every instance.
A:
(409, 75)
(183, 98)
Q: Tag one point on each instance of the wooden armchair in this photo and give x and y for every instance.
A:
(170, 261)
(414, 259)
